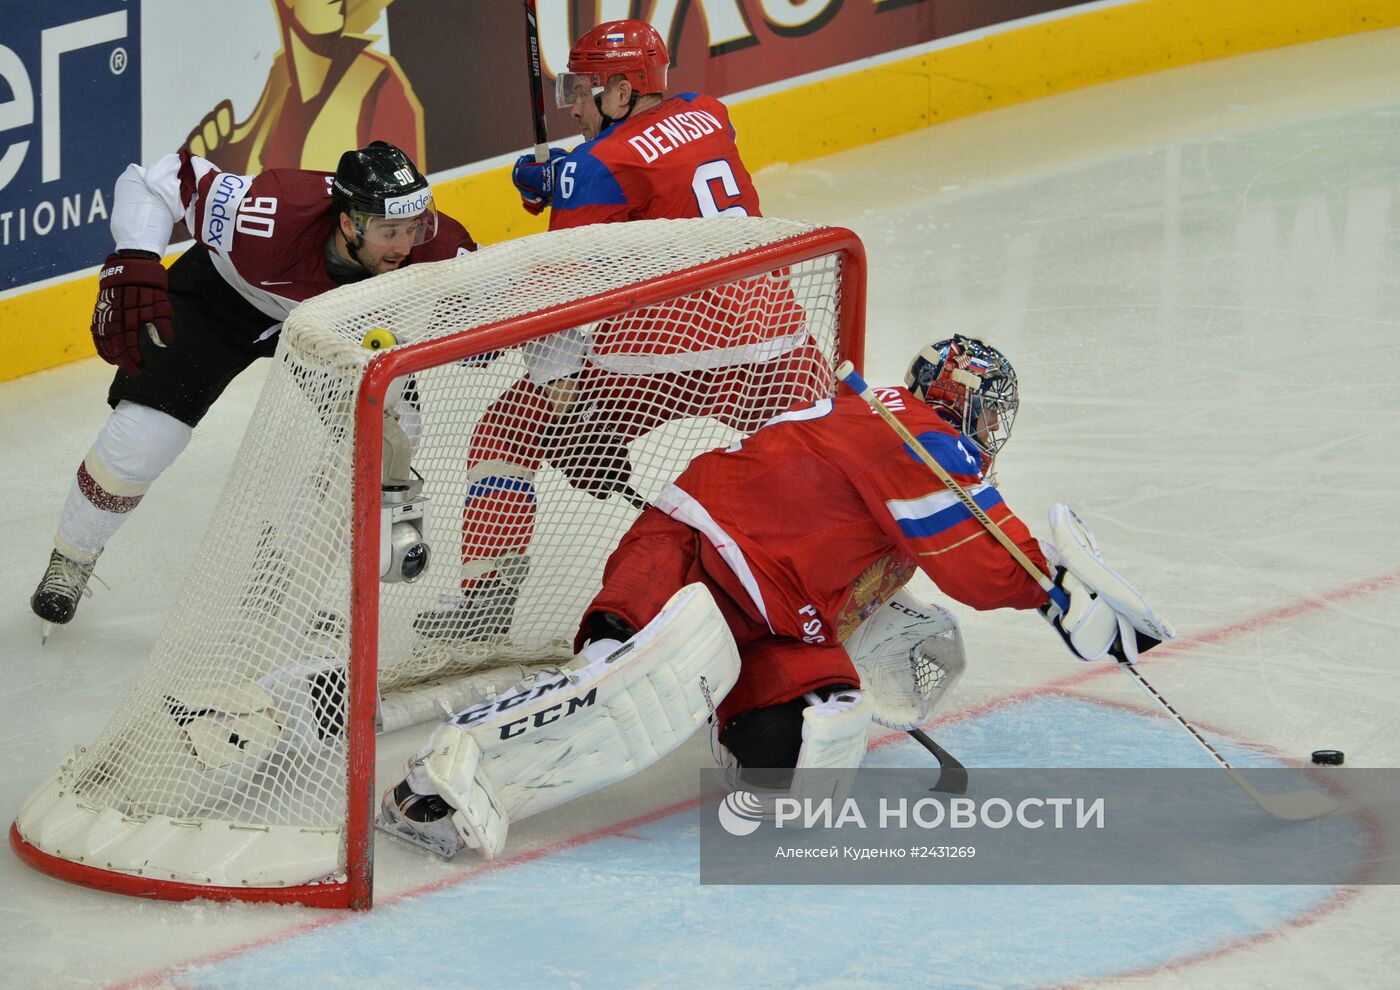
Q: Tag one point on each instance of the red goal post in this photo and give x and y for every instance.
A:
(241, 764)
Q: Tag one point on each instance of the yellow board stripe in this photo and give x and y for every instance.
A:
(49, 326)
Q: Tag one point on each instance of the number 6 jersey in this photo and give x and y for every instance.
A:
(671, 162)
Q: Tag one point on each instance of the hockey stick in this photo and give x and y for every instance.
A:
(532, 61)
(1295, 805)
(632, 497)
(953, 778)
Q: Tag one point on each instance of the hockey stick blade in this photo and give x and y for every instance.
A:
(952, 777)
(1295, 806)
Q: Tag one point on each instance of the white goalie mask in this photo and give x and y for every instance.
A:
(975, 387)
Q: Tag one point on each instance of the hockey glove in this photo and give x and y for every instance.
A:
(590, 454)
(131, 299)
(1106, 614)
(535, 180)
(1091, 628)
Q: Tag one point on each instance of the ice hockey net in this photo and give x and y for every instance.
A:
(240, 765)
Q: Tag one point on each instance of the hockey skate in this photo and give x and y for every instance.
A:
(64, 582)
(424, 821)
(483, 613)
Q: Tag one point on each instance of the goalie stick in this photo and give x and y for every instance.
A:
(532, 61)
(953, 778)
(1294, 805)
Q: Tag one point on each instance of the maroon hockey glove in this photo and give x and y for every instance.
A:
(131, 297)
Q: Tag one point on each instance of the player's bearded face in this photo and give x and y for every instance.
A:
(385, 243)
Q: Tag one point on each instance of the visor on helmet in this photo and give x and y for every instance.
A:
(401, 225)
(569, 87)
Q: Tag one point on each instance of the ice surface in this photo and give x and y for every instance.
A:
(1197, 275)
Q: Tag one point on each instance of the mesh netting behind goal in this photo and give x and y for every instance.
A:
(542, 390)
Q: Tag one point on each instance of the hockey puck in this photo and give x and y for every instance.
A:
(1328, 757)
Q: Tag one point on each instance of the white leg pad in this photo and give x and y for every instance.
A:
(833, 744)
(453, 770)
(834, 730)
(566, 733)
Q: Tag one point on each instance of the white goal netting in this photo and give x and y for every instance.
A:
(545, 406)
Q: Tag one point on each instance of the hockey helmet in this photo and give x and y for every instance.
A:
(973, 385)
(631, 49)
(380, 182)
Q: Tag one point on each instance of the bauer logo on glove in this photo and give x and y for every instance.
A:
(132, 296)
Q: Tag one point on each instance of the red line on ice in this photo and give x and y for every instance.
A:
(1167, 651)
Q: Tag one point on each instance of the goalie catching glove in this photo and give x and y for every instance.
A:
(132, 297)
(1106, 614)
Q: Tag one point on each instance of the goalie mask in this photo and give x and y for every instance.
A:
(631, 49)
(973, 385)
(385, 195)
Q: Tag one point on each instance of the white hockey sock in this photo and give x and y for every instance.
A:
(135, 446)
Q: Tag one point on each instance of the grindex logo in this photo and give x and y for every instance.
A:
(409, 204)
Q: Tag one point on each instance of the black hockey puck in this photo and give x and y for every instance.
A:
(1328, 757)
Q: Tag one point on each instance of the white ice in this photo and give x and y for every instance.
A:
(1197, 275)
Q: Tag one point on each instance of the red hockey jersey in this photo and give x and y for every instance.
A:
(824, 511)
(266, 233)
(672, 162)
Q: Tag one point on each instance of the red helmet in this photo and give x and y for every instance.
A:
(631, 49)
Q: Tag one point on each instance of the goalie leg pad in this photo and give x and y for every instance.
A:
(834, 730)
(452, 769)
(833, 744)
(608, 717)
(601, 718)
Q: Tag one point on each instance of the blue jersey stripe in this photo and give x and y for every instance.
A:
(946, 518)
(495, 483)
(588, 180)
(954, 454)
